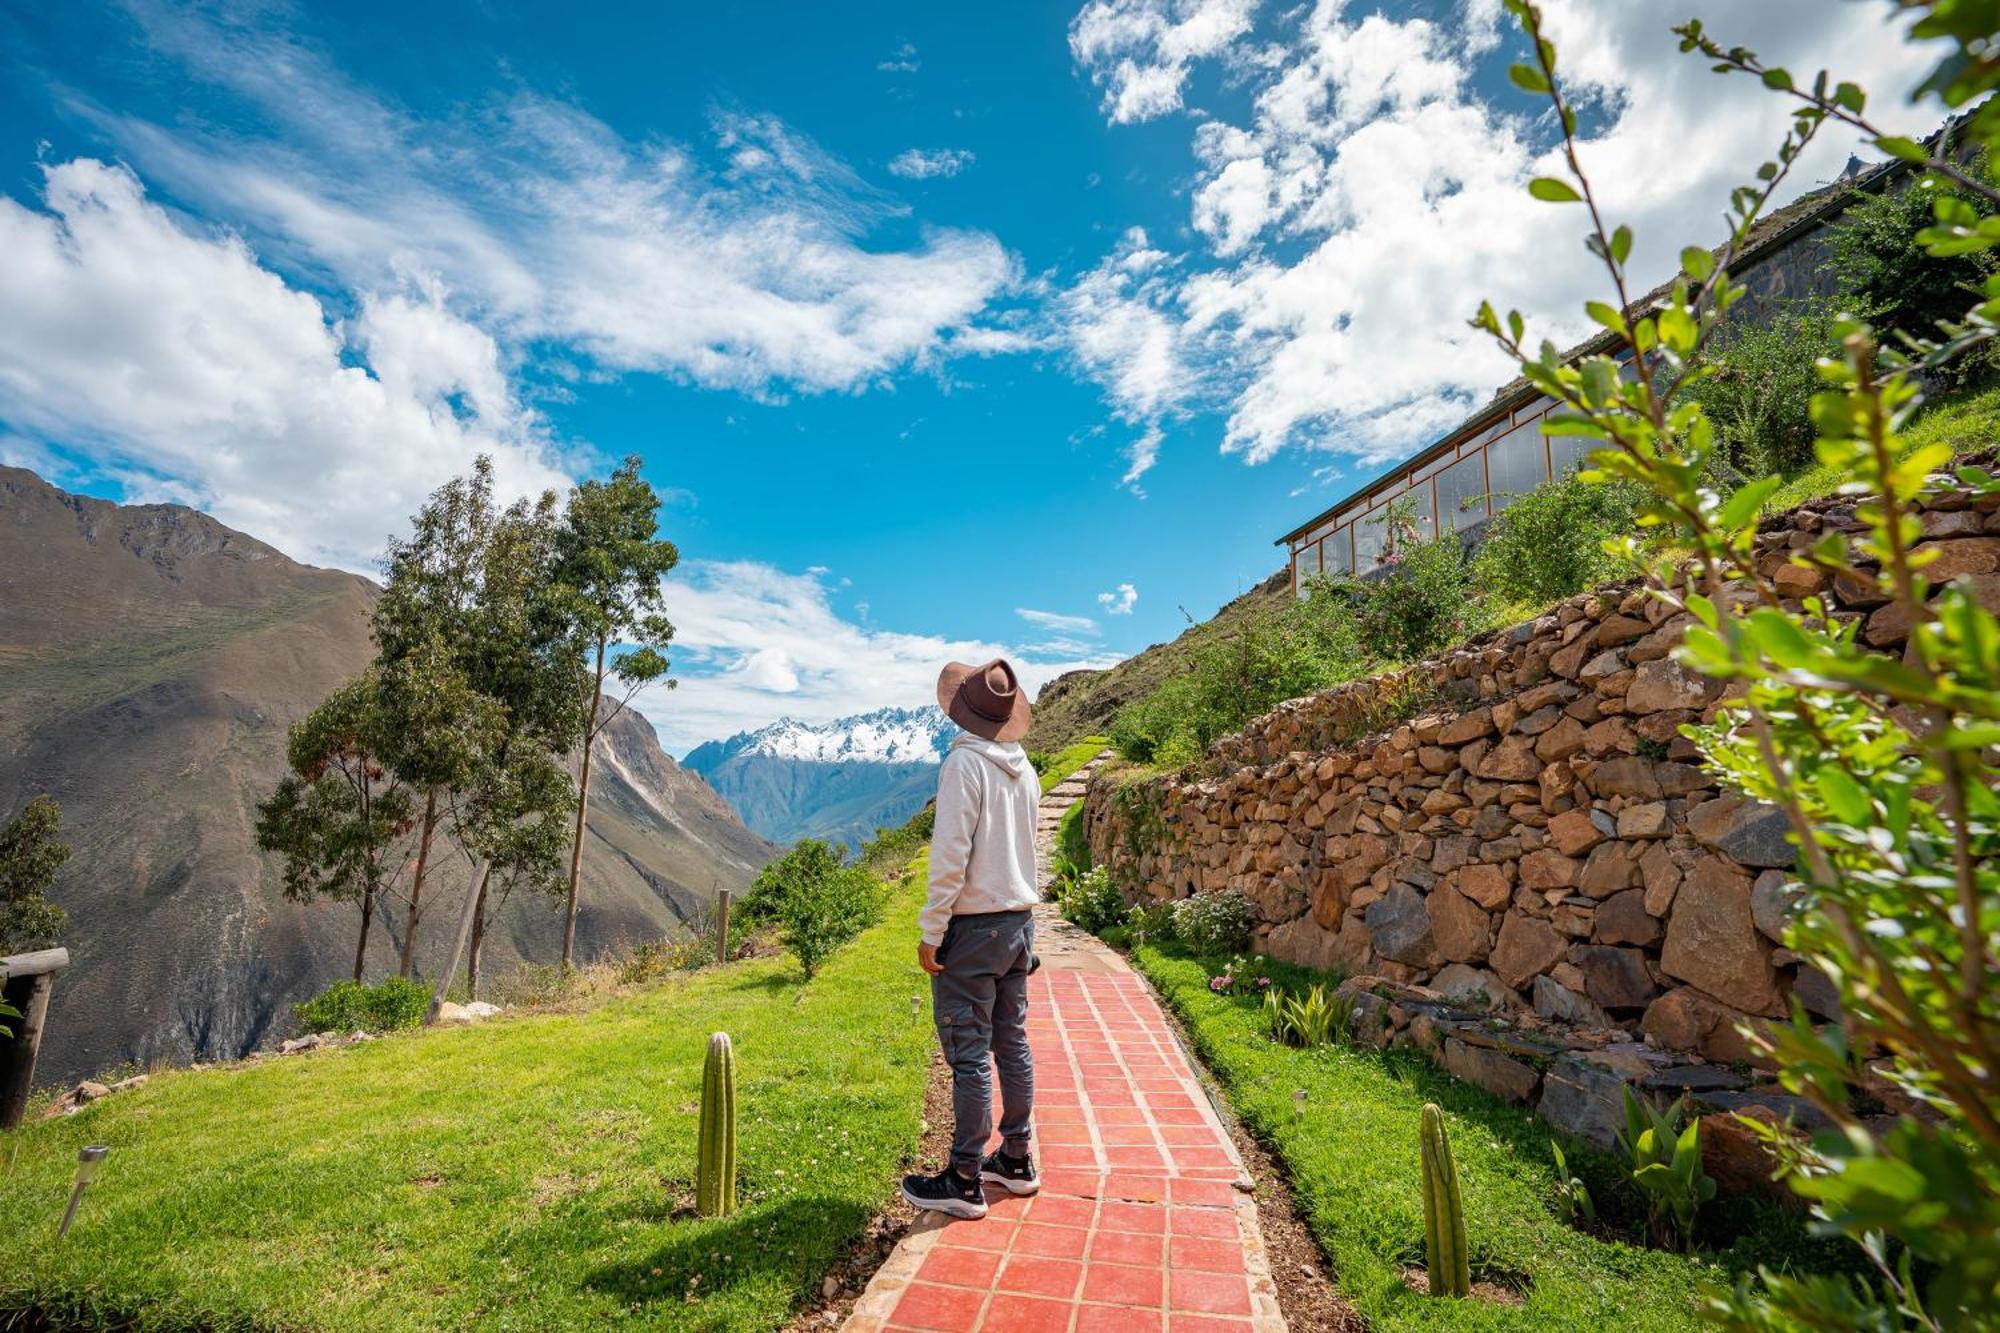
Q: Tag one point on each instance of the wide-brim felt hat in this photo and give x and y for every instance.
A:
(986, 700)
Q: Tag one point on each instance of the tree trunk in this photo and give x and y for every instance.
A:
(478, 939)
(451, 961)
(409, 964)
(367, 919)
(582, 810)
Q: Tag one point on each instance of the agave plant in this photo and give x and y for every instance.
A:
(1664, 1152)
(1575, 1195)
(1314, 1018)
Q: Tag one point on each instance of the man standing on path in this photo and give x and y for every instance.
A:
(978, 935)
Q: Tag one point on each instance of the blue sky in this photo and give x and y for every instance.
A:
(946, 329)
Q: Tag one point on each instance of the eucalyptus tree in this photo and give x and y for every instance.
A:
(338, 813)
(481, 583)
(422, 623)
(609, 561)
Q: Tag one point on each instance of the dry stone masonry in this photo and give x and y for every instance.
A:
(1536, 833)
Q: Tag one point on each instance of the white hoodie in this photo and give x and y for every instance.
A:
(983, 846)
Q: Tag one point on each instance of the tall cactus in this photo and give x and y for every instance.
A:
(1444, 1211)
(715, 1180)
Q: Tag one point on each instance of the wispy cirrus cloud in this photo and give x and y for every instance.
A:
(1056, 621)
(389, 287)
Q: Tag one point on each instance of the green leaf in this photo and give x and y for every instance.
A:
(1698, 262)
(1909, 150)
(1778, 79)
(1744, 506)
(1528, 78)
(1844, 796)
(1550, 190)
(1606, 315)
(1621, 245)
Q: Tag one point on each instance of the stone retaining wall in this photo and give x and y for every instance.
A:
(1536, 830)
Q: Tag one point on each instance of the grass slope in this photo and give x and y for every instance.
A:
(1068, 761)
(1967, 421)
(532, 1173)
(1083, 703)
(1353, 1162)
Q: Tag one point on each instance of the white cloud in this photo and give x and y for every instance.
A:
(904, 61)
(1348, 225)
(173, 359)
(1141, 51)
(752, 641)
(1123, 331)
(1121, 602)
(549, 226)
(922, 164)
(1055, 621)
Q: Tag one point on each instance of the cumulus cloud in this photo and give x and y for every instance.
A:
(1124, 330)
(1347, 224)
(1119, 603)
(922, 164)
(1140, 52)
(753, 641)
(173, 359)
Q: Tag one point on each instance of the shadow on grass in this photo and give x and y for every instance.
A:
(792, 1241)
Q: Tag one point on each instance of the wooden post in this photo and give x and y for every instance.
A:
(722, 926)
(29, 979)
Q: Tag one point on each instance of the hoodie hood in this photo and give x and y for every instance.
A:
(1007, 756)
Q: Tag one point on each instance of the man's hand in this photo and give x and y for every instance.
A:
(927, 958)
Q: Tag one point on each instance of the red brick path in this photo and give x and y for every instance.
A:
(1139, 1226)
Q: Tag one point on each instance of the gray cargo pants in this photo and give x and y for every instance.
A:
(981, 1004)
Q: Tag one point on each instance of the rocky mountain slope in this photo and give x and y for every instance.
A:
(838, 780)
(150, 662)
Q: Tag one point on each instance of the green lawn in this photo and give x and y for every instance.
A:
(1354, 1170)
(531, 1173)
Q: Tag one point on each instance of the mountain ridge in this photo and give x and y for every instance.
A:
(838, 781)
(151, 659)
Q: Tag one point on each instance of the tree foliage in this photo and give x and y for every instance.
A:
(1549, 543)
(31, 853)
(1884, 767)
(340, 812)
(607, 563)
(817, 898)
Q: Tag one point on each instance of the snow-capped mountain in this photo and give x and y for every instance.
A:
(885, 736)
(839, 780)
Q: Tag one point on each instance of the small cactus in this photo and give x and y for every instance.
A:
(715, 1180)
(1444, 1211)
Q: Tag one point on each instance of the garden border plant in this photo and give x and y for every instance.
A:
(1884, 769)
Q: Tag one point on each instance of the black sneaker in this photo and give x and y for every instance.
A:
(946, 1192)
(1016, 1175)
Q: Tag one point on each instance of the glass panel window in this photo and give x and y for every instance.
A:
(1336, 553)
(1461, 492)
(1567, 453)
(1514, 464)
(1371, 533)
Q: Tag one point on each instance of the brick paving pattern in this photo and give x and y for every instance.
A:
(1140, 1225)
